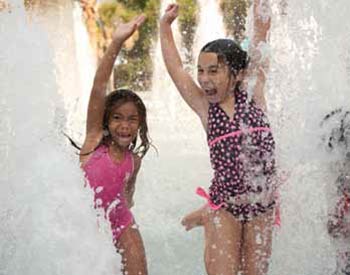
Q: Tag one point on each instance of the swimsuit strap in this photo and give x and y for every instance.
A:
(241, 96)
(237, 133)
(98, 153)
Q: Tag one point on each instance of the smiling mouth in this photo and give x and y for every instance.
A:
(210, 92)
(124, 136)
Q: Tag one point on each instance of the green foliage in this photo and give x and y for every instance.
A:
(152, 13)
(135, 4)
(111, 11)
(136, 70)
(107, 12)
(136, 74)
(235, 13)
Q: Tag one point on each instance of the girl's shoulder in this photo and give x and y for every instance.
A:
(256, 108)
(96, 153)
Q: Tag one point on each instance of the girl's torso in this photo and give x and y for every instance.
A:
(108, 178)
(241, 152)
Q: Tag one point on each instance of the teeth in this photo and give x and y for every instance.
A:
(210, 92)
(124, 136)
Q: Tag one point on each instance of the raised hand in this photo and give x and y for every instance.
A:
(171, 13)
(125, 30)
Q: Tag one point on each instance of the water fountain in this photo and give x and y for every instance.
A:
(48, 223)
(302, 36)
(210, 19)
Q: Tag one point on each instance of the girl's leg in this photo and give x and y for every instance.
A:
(222, 243)
(131, 248)
(257, 242)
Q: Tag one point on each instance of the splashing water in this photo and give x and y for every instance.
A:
(308, 79)
(166, 190)
(298, 81)
(48, 225)
(210, 18)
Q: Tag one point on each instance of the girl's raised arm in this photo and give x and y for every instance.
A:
(259, 62)
(96, 106)
(188, 89)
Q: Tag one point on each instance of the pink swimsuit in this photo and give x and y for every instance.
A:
(108, 178)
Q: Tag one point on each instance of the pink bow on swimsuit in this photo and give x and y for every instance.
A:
(201, 192)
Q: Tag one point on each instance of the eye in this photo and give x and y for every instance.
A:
(134, 119)
(116, 117)
(200, 71)
(213, 70)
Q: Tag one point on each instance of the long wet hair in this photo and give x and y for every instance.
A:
(229, 53)
(116, 99)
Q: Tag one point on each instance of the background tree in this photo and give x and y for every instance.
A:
(235, 14)
(135, 65)
(188, 20)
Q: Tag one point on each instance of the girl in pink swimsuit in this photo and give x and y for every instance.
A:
(111, 155)
(239, 217)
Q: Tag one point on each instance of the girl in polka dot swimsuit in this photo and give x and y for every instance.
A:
(243, 162)
(238, 219)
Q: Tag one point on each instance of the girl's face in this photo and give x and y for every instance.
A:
(215, 78)
(124, 123)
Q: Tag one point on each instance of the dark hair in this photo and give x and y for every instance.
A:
(340, 135)
(116, 99)
(229, 53)
(343, 183)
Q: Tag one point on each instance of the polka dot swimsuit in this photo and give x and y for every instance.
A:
(242, 156)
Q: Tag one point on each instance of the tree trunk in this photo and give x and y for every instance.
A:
(96, 32)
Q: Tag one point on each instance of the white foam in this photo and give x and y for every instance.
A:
(48, 224)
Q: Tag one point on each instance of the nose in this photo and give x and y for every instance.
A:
(203, 78)
(124, 124)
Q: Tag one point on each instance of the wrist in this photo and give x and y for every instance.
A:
(165, 23)
(118, 40)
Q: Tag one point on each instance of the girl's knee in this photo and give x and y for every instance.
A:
(134, 261)
(221, 265)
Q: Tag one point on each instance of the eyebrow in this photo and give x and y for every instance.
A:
(210, 66)
(120, 114)
(215, 66)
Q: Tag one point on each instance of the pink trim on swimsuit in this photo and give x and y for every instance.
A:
(201, 192)
(237, 133)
